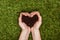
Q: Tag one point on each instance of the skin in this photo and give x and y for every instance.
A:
(26, 29)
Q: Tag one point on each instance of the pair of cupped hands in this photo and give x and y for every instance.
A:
(37, 24)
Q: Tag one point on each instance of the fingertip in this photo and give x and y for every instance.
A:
(35, 13)
(27, 14)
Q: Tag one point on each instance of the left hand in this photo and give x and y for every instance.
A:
(22, 24)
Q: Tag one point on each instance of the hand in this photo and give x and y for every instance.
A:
(22, 24)
(25, 29)
(39, 22)
(35, 29)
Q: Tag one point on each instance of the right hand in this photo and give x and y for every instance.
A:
(39, 22)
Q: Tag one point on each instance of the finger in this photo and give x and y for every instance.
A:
(24, 13)
(20, 17)
(32, 14)
(27, 14)
(35, 13)
(40, 19)
(38, 14)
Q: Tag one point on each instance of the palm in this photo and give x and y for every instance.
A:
(22, 24)
(39, 22)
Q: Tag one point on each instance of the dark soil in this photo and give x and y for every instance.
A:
(30, 21)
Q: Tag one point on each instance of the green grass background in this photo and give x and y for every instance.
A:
(50, 12)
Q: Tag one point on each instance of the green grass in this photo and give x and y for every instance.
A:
(50, 12)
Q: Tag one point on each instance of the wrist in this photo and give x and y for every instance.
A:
(34, 29)
(26, 30)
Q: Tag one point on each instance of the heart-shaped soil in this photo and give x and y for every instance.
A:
(30, 21)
